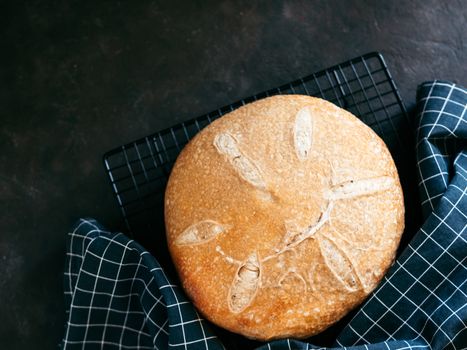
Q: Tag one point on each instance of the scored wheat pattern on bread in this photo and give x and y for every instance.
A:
(246, 168)
(339, 264)
(200, 232)
(303, 133)
(245, 284)
(247, 279)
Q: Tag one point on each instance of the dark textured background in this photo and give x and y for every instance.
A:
(79, 78)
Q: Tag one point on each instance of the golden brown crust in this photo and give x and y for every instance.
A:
(282, 216)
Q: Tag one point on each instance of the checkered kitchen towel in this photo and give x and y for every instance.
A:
(119, 297)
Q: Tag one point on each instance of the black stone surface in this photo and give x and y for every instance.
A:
(79, 78)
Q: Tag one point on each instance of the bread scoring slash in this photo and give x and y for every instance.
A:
(282, 216)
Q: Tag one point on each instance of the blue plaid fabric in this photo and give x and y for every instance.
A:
(119, 297)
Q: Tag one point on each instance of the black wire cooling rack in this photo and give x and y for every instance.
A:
(139, 170)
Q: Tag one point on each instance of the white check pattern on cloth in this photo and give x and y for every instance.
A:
(424, 296)
(119, 297)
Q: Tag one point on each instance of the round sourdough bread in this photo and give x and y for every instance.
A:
(282, 216)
